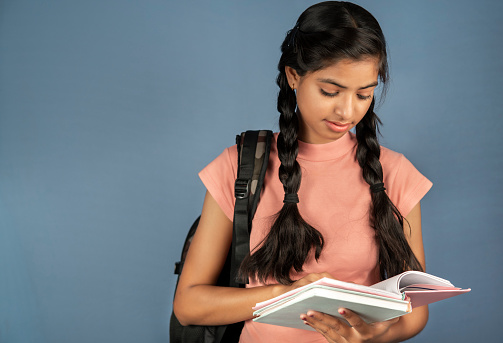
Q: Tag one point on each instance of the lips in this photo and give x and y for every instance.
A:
(337, 127)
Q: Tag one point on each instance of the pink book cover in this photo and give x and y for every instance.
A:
(420, 295)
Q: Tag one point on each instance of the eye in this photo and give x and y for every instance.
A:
(363, 97)
(328, 94)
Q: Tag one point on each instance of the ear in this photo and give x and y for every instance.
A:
(292, 77)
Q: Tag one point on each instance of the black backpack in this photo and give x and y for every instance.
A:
(253, 155)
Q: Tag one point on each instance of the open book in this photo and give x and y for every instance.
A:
(385, 300)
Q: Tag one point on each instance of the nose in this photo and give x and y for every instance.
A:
(344, 107)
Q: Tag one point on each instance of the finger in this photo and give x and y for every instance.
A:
(392, 321)
(309, 278)
(329, 326)
(354, 320)
(316, 276)
(329, 338)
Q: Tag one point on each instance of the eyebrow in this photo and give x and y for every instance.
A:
(373, 84)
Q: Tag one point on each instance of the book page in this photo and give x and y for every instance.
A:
(334, 284)
(397, 282)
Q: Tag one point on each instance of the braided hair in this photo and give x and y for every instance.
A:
(324, 34)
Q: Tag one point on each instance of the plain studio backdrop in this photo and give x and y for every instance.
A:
(109, 109)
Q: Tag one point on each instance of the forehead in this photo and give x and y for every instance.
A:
(351, 73)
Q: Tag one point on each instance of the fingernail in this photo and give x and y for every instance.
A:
(303, 316)
(342, 312)
(306, 322)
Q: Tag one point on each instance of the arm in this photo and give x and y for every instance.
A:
(197, 300)
(395, 330)
(411, 324)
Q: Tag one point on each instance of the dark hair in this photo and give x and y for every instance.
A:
(326, 33)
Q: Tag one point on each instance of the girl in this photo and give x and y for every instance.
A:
(342, 206)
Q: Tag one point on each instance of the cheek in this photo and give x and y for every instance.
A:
(362, 110)
(305, 104)
(312, 103)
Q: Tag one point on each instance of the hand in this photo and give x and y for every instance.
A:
(280, 289)
(337, 331)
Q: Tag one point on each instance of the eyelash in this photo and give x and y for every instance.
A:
(331, 95)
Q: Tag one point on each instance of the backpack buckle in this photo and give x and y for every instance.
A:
(241, 188)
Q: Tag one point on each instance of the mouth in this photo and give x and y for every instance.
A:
(337, 127)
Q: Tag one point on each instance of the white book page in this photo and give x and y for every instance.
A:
(396, 283)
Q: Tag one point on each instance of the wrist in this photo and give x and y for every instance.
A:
(278, 289)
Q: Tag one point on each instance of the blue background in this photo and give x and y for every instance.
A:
(108, 109)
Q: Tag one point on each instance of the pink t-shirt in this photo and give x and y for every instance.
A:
(335, 199)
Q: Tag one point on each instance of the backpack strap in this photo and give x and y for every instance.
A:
(253, 156)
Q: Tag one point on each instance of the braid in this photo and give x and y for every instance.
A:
(395, 254)
(288, 147)
(291, 239)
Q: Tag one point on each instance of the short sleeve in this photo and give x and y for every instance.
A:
(219, 177)
(405, 185)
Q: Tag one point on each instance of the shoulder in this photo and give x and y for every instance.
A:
(405, 184)
(219, 177)
(226, 160)
(390, 157)
(394, 163)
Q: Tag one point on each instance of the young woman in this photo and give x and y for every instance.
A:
(342, 206)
